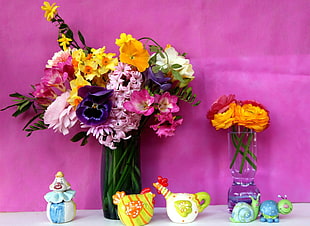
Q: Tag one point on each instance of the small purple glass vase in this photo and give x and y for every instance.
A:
(242, 148)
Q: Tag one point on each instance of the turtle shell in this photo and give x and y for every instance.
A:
(269, 208)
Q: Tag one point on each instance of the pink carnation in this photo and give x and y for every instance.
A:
(60, 115)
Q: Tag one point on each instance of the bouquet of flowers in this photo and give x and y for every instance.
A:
(241, 117)
(106, 95)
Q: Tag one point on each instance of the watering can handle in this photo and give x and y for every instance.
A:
(204, 200)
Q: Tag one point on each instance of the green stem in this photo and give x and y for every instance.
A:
(242, 148)
(161, 48)
(122, 171)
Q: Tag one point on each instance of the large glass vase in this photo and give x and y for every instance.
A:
(120, 171)
(242, 148)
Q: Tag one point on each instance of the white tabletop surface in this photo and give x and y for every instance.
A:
(213, 215)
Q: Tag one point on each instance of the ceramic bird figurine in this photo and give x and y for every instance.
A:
(135, 209)
(182, 207)
(60, 207)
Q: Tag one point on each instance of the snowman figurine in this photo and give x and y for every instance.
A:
(60, 207)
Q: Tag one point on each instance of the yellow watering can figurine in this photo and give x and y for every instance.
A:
(182, 207)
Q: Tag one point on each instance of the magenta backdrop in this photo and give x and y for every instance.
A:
(254, 49)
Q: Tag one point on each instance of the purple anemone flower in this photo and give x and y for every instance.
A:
(158, 78)
(96, 105)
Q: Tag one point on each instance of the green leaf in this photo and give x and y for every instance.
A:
(161, 54)
(81, 37)
(176, 66)
(18, 95)
(40, 115)
(197, 103)
(24, 105)
(41, 125)
(63, 26)
(152, 60)
(69, 34)
(78, 136)
(156, 68)
(17, 113)
(165, 70)
(155, 49)
(177, 76)
(3, 109)
(85, 141)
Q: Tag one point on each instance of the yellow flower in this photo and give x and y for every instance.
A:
(123, 38)
(252, 117)
(50, 10)
(75, 84)
(106, 62)
(226, 119)
(134, 53)
(89, 69)
(64, 42)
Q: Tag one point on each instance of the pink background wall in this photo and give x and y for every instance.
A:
(254, 49)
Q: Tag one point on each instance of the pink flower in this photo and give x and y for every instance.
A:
(55, 78)
(124, 81)
(220, 105)
(60, 115)
(167, 124)
(59, 57)
(43, 93)
(140, 103)
(167, 103)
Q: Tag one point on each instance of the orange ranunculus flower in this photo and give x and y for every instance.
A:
(134, 53)
(226, 119)
(252, 117)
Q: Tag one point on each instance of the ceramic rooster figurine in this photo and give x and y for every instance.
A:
(182, 207)
(135, 209)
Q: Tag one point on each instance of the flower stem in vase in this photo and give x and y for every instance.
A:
(120, 172)
(242, 154)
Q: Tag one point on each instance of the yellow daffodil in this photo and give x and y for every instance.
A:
(64, 42)
(252, 117)
(75, 84)
(224, 120)
(50, 10)
(123, 39)
(107, 62)
(134, 53)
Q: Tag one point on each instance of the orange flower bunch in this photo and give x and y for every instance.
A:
(227, 111)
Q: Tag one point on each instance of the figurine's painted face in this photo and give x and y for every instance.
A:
(285, 206)
(59, 184)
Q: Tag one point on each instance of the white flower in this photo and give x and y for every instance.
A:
(186, 69)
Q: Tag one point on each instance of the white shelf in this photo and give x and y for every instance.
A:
(212, 215)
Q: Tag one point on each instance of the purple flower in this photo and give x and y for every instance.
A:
(158, 78)
(95, 106)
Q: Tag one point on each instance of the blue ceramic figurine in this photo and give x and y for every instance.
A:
(60, 208)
